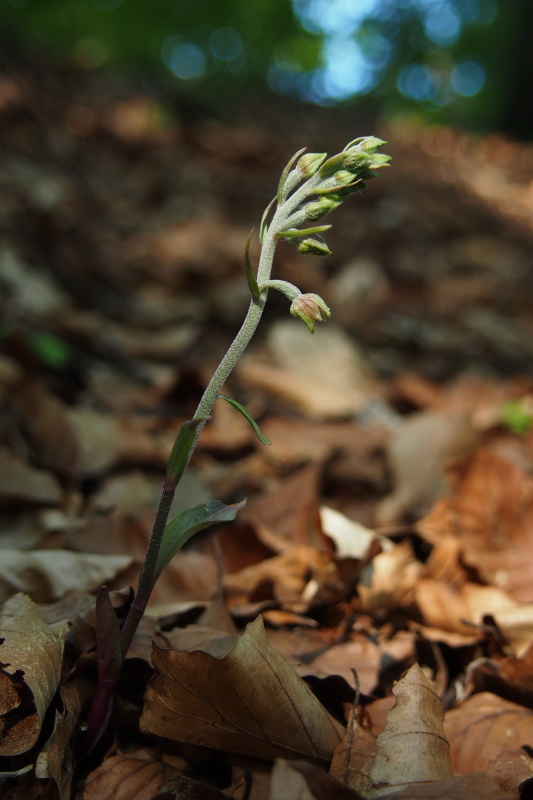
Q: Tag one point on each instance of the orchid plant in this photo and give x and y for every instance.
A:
(311, 186)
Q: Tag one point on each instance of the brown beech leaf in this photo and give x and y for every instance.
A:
(125, 776)
(412, 748)
(47, 575)
(482, 727)
(30, 655)
(250, 701)
(299, 780)
(490, 511)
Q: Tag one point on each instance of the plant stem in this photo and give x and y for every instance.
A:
(101, 706)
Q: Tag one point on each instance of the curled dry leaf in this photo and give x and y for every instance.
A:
(31, 655)
(483, 727)
(412, 748)
(490, 511)
(250, 702)
(47, 575)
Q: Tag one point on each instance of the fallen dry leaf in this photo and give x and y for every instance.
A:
(510, 678)
(283, 577)
(288, 515)
(490, 511)
(45, 423)
(126, 776)
(451, 607)
(412, 748)
(389, 580)
(106, 440)
(354, 758)
(250, 701)
(54, 761)
(351, 539)
(477, 786)
(301, 361)
(511, 770)
(47, 575)
(31, 656)
(484, 726)
(299, 780)
(423, 444)
(184, 788)
(22, 484)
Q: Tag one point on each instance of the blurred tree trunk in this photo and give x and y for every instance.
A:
(516, 117)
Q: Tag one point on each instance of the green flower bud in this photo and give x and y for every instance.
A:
(310, 163)
(354, 160)
(313, 245)
(332, 165)
(319, 208)
(311, 308)
(367, 143)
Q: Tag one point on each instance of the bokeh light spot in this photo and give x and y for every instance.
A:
(185, 59)
(467, 78)
(417, 82)
(226, 44)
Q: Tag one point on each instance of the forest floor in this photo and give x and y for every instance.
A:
(389, 523)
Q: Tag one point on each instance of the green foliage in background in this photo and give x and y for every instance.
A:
(461, 61)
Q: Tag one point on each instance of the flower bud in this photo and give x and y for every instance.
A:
(310, 163)
(367, 143)
(319, 208)
(313, 245)
(311, 308)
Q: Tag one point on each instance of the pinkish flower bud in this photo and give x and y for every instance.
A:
(311, 308)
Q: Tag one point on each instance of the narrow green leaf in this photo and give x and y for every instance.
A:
(180, 529)
(285, 173)
(264, 227)
(297, 233)
(246, 414)
(250, 277)
(180, 451)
